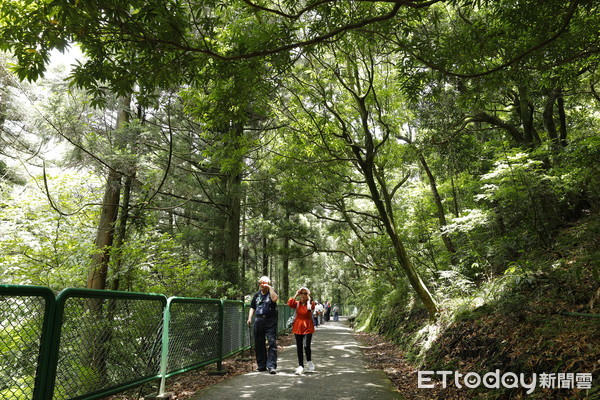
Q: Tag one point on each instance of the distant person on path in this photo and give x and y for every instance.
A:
(303, 327)
(319, 309)
(327, 315)
(315, 314)
(264, 309)
(336, 313)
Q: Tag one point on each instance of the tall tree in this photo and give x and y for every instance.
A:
(351, 112)
(98, 271)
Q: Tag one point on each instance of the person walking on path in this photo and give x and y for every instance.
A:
(315, 314)
(319, 313)
(336, 313)
(264, 309)
(303, 327)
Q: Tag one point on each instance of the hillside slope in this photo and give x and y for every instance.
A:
(542, 320)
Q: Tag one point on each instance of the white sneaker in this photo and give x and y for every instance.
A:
(311, 366)
(299, 370)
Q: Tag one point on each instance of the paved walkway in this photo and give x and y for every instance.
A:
(340, 374)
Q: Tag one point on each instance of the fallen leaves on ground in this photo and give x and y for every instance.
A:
(381, 354)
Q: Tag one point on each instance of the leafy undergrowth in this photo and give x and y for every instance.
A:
(538, 320)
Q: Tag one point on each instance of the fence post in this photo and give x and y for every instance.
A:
(164, 355)
(221, 333)
(55, 344)
(244, 327)
(46, 345)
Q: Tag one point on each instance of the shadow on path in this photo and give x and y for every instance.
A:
(340, 374)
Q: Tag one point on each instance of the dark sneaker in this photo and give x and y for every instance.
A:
(261, 369)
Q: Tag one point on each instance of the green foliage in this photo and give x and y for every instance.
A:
(521, 194)
(521, 205)
(276, 135)
(514, 322)
(577, 176)
(40, 246)
(9, 175)
(154, 264)
(396, 314)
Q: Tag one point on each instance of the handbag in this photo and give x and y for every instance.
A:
(291, 320)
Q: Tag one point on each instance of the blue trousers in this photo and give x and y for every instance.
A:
(265, 329)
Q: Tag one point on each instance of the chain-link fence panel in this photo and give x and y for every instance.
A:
(194, 333)
(109, 341)
(248, 340)
(88, 344)
(234, 325)
(24, 334)
(283, 313)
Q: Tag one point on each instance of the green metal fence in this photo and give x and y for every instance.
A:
(194, 334)
(88, 344)
(235, 315)
(104, 342)
(25, 340)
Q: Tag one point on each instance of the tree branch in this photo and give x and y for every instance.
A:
(563, 28)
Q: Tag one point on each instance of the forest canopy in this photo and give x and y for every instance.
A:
(367, 149)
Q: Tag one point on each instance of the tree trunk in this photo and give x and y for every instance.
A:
(495, 121)
(245, 254)
(285, 279)
(265, 257)
(526, 112)
(454, 196)
(98, 270)
(96, 341)
(562, 118)
(104, 238)
(439, 206)
(121, 233)
(3, 100)
(408, 267)
(365, 158)
(226, 251)
(548, 117)
(232, 230)
(399, 249)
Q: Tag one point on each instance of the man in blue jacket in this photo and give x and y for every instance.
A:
(264, 309)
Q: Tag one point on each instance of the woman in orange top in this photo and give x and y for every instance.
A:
(303, 327)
